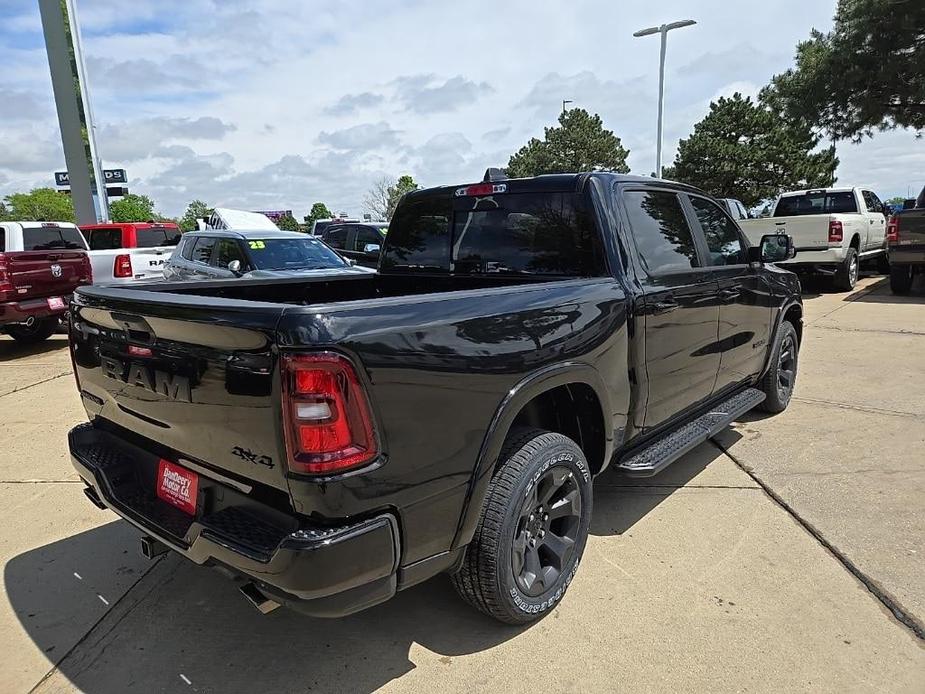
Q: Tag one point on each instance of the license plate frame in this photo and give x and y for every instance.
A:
(177, 486)
(55, 303)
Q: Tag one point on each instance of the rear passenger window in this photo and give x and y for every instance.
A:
(660, 231)
(722, 235)
(202, 250)
(186, 247)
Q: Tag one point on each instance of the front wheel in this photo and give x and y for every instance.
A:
(532, 531)
(39, 331)
(781, 377)
(900, 279)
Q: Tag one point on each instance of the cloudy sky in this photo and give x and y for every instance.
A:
(275, 104)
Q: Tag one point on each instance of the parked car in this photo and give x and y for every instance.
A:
(734, 208)
(905, 236)
(334, 440)
(41, 263)
(126, 252)
(361, 242)
(834, 229)
(227, 254)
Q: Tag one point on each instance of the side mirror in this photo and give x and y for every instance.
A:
(350, 261)
(774, 248)
(235, 266)
(371, 248)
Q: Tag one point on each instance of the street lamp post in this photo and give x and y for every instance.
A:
(565, 102)
(663, 30)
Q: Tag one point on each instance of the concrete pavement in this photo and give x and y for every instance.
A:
(694, 580)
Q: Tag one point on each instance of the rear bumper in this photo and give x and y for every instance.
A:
(321, 570)
(812, 257)
(22, 311)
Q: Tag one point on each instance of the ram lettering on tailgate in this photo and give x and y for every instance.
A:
(172, 386)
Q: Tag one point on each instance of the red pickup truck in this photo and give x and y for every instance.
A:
(41, 264)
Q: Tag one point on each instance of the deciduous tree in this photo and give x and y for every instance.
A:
(133, 208)
(40, 204)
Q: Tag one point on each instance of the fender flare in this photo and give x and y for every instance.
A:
(777, 323)
(514, 401)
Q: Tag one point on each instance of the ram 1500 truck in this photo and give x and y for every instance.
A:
(905, 236)
(335, 439)
(41, 264)
(834, 230)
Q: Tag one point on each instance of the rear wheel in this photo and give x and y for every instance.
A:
(41, 330)
(781, 377)
(901, 279)
(883, 264)
(847, 274)
(532, 531)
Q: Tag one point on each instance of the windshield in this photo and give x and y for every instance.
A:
(51, 238)
(157, 236)
(292, 254)
(816, 202)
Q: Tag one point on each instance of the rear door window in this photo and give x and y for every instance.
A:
(52, 238)
(156, 236)
(660, 231)
(723, 240)
(104, 239)
(872, 201)
(202, 249)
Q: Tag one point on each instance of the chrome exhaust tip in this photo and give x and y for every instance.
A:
(94, 498)
(256, 598)
(30, 321)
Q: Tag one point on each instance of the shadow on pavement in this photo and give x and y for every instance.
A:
(10, 349)
(880, 293)
(184, 622)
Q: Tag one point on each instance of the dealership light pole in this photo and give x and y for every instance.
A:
(663, 30)
(75, 117)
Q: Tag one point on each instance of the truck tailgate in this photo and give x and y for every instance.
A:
(36, 274)
(164, 367)
(148, 263)
(808, 231)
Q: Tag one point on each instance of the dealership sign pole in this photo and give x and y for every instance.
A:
(68, 81)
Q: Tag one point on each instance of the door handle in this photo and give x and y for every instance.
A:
(664, 306)
(729, 294)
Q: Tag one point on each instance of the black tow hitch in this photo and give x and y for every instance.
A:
(152, 547)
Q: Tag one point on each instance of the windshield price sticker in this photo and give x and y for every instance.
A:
(256, 245)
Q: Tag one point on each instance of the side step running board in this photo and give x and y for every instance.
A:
(663, 452)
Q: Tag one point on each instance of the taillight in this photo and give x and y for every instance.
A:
(326, 414)
(122, 267)
(836, 232)
(86, 274)
(6, 278)
(892, 229)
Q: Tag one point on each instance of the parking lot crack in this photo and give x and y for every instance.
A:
(898, 611)
(37, 383)
(859, 408)
(868, 330)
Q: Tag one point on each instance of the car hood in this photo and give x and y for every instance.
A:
(351, 270)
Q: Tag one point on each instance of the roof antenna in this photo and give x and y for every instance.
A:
(493, 174)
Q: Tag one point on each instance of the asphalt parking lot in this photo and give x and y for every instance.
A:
(786, 555)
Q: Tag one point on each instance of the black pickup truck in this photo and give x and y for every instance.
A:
(905, 238)
(334, 440)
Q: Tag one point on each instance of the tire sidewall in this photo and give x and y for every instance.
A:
(785, 329)
(561, 453)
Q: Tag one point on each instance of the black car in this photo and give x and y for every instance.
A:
(336, 439)
(361, 242)
(224, 254)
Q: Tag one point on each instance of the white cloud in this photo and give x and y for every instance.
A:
(300, 102)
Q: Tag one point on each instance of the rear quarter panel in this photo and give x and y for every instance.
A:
(437, 372)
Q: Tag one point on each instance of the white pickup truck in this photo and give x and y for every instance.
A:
(124, 252)
(833, 230)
